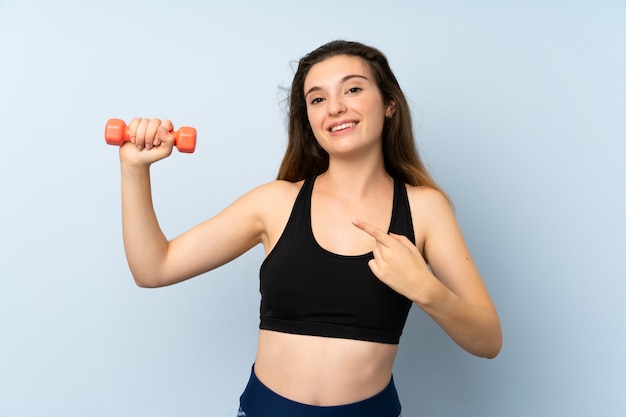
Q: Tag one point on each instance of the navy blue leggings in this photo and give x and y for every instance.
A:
(259, 401)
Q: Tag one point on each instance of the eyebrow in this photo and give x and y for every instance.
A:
(343, 80)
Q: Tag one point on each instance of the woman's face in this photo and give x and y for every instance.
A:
(345, 108)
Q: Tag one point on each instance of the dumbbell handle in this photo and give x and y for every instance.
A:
(116, 133)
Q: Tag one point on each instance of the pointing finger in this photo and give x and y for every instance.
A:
(402, 239)
(380, 236)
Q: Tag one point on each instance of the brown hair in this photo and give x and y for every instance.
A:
(304, 157)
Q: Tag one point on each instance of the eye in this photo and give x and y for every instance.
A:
(354, 90)
(316, 100)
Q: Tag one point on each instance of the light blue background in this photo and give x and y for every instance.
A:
(520, 110)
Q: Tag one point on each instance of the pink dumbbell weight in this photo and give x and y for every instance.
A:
(116, 133)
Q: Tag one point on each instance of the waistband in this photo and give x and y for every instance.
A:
(258, 400)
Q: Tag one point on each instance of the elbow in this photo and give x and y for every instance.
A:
(143, 281)
(489, 351)
(493, 343)
(492, 349)
(493, 352)
(154, 279)
(497, 349)
(146, 276)
(144, 284)
(485, 345)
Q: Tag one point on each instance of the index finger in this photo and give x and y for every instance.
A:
(167, 123)
(373, 231)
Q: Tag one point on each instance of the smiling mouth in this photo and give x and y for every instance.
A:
(342, 126)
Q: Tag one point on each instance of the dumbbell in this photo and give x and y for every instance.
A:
(116, 133)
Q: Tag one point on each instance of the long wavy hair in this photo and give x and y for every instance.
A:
(304, 157)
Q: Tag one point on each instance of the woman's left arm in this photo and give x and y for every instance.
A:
(460, 304)
(441, 278)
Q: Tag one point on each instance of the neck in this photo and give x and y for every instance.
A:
(355, 178)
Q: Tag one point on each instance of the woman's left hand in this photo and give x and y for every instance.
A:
(399, 264)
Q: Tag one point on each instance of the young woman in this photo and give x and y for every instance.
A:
(355, 232)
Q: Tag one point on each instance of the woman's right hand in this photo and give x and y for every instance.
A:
(151, 141)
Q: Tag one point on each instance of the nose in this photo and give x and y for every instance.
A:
(336, 105)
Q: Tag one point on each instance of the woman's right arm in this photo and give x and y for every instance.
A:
(154, 260)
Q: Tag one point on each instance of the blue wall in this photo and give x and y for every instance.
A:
(520, 112)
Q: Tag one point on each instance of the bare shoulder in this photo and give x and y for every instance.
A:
(432, 213)
(262, 204)
(281, 186)
(275, 193)
(274, 202)
(428, 201)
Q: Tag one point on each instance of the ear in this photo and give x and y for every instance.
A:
(390, 109)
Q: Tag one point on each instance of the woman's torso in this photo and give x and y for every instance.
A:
(316, 370)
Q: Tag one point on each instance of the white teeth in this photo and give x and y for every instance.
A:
(342, 126)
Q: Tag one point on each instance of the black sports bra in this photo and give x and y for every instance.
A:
(308, 290)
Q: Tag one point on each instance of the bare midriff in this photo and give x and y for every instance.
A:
(323, 371)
